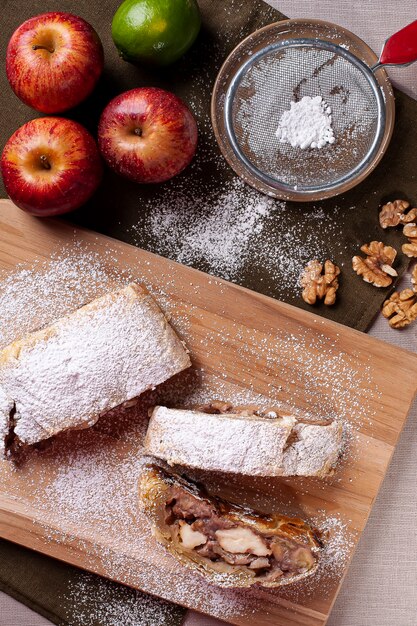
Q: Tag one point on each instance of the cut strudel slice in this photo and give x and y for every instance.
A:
(245, 440)
(68, 374)
(229, 545)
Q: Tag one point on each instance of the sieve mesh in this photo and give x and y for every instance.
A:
(264, 90)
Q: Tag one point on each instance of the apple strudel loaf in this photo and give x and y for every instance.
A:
(244, 440)
(228, 545)
(66, 375)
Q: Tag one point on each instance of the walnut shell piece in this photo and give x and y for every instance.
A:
(394, 213)
(317, 285)
(376, 268)
(410, 248)
(401, 308)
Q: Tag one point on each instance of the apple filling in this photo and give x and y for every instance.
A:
(198, 526)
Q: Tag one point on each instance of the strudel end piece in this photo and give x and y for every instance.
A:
(68, 374)
(229, 545)
(220, 437)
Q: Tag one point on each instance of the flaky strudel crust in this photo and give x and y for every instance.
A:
(68, 374)
(220, 437)
(229, 545)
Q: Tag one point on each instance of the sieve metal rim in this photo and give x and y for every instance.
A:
(297, 43)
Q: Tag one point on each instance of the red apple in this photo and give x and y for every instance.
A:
(50, 165)
(147, 135)
(53, 61)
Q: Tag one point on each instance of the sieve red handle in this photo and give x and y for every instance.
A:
(400, 48)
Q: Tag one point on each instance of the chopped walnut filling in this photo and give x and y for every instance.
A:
(241, 540)
(201, 528)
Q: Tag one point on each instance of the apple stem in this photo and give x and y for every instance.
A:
(36, 47)
(138, 132)
(44, 162)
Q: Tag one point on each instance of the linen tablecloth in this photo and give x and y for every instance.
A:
(381, 586)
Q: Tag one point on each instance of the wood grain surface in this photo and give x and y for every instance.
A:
(252, 344)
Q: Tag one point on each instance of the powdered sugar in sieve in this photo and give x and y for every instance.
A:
(266, 85)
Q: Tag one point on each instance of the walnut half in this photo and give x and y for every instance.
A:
(410, 248)
(394, 213)
(401, 307)
(376, 268)
(317, 285)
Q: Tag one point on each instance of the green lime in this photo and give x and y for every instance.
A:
(156, 32)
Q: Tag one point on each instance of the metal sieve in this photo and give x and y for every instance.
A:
(282, 63)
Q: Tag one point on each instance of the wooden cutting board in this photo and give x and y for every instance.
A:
(242, 343)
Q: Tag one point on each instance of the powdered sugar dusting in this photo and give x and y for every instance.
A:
(221, 237)
(339, 541)
(65, 375)
(42, 293)
(240, 230)
(338, 548)
(261, 446)
(84, 486)
(99, 601)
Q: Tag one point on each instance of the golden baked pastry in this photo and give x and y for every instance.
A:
(68, 374)
(244, 440)
(228, 545)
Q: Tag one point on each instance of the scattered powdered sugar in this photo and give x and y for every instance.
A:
(38, 295)
(85, 486)
(31, 297)
(338, 547)
(221, 236)
(333, 385)
(307, 124)
(98, 601)
(241, 230)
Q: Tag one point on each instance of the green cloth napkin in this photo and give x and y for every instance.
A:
(70, 597)
(64, 594)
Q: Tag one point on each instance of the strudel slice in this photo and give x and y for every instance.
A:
(68, 374)
(219, 437)
(229, 545)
